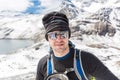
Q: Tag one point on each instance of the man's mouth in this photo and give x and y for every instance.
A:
(59, 44)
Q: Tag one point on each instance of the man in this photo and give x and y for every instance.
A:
(64, 61)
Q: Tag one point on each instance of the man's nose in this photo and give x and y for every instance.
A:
(58, 38)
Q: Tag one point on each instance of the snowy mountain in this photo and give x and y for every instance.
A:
(95, 26)
(75, 9)
(69, 9)
(20, 27)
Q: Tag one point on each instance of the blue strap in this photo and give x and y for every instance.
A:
(79, 65)
(49, 67)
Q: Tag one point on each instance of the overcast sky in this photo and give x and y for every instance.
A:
(29, 6)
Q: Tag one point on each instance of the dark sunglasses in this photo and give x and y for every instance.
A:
(53, 35)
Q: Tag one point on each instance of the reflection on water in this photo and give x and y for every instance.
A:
(7, 46)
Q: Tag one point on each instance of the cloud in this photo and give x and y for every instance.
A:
(29, 6)
(50, 4)
(14, 5)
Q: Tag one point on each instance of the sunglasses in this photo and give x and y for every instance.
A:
(62, 34)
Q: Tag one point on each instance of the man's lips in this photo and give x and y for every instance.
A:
(58, 44)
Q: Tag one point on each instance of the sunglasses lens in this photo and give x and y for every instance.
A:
(53, 35)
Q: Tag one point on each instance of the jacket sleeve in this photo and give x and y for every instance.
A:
(41, 69)
(96, 68)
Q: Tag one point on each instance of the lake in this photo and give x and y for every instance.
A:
(8, 45)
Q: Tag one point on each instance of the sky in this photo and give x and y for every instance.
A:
(37, 6)
(27, 6)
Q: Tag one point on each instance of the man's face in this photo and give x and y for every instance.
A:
(58, 40)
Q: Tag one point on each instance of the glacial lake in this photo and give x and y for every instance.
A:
(8, 45)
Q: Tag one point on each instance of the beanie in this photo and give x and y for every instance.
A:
(54, 21)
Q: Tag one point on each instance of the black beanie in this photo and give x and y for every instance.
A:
(55, 21)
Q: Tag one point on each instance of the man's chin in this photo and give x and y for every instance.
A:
(59, 49)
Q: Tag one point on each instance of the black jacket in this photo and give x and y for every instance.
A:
(91, 64)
